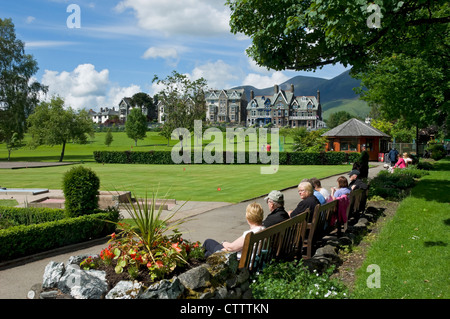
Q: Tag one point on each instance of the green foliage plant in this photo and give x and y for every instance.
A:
(292, 280)
(152, 242)
(80, 187)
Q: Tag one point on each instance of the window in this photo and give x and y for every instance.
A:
(349, 144)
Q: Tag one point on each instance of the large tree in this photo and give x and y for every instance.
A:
(183, 100)
(18, 92)
(307, 34)
(52, 124)
(408, 89)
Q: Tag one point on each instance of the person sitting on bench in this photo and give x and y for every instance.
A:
(305, 190)
(254, 215)
(275, 201)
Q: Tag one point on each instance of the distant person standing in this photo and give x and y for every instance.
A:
(393, 153)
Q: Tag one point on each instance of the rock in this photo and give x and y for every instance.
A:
(76, 260)
(329, 252)
(83, 284)
(35, 291)
(52, 294)
(195, 278)
(52, 274)
(221, 264)
(243, 276)
(125, 290)
(165, 289)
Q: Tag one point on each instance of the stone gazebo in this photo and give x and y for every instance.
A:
(357, 136)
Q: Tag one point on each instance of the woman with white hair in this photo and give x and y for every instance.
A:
(310, 201)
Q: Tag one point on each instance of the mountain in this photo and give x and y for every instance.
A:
(338, 89)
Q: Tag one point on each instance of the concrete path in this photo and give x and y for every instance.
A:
(218, 220)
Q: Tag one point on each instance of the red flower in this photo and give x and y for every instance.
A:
(159, 264)
(175, 246)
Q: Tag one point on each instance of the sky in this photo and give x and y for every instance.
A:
(94, 53)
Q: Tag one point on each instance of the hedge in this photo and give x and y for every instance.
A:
(22, 240)
(285, 158)
(30, 215)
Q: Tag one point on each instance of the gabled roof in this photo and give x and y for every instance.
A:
(354, 127)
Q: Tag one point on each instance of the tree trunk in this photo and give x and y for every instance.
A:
(62, 152)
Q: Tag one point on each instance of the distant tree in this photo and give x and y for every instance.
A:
(18, 91)
(145, 102)
(108, 138)
(136, 125)
(13, 143)
(183, 101)
(52, 124)
(413, 90)
(308, 141)
(338, 118)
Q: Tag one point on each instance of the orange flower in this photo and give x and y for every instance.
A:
(175, 246)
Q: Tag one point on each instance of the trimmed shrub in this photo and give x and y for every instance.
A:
(285, 158)
(437, 151)
(80, 187)
(14, 216)
(20, 241)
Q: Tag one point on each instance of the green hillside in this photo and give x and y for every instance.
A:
(355, 107)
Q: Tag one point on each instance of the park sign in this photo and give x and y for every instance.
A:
(214, 151)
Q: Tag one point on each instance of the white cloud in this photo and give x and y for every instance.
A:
(30, 19)
(263, 81)
(175, 17)
(219, 75)
(85, 87)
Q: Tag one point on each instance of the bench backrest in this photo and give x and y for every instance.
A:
(321, 225)
(357, 198)
(280, 241)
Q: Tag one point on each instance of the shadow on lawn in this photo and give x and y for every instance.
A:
(433, 190)
(67, 158)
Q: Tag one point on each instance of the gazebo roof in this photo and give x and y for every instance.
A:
(355, 127)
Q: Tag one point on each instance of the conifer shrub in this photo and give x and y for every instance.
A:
(80, 187)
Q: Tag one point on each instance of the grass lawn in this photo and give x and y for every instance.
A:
(412, 249)
(78, 152)
(227, 183)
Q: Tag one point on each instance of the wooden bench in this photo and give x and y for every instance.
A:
(296, 237)
(357, 205)
(283, 241)
(321, 225)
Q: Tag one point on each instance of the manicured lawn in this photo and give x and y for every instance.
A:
(78, 152)
(412, 249)
(227, 183)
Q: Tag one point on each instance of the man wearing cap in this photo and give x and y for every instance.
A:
(355, 181)
(275, 201)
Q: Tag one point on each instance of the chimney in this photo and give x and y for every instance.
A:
(292, 88)
(252, 95)
(318, 97)
(276, 88)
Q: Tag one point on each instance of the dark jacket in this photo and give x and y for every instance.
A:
(278, 215)
(359, 184)
(309, 202)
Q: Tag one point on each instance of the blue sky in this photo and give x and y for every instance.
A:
(121, 44)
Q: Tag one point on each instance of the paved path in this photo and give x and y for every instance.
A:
(218, 220)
